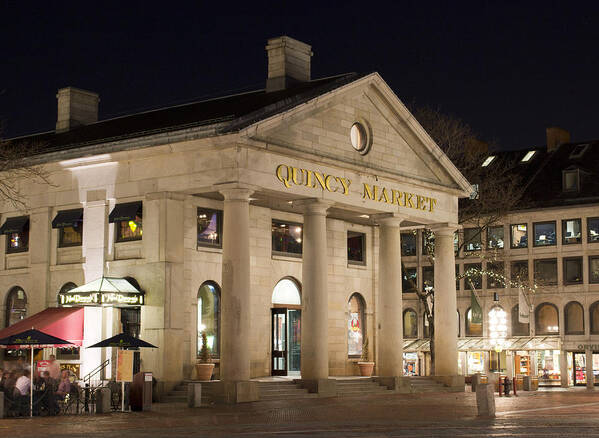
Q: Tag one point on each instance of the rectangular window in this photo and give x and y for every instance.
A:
(593, 229)
(570, 181)
(210, 228)
(519, 272)
(408, 244)
(472, 240)
(519, 236)
(286, 238)
(16, 230)
(356, 248)
(571, 231)
(495, 275)
(127, 219)
(495, 237)
(428, 277)
(545, 234)
(546, 271)
(409, 280)
(594, 269)
(70, 227)
(473, 276)
(573, 270)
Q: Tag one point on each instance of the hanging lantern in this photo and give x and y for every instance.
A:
(497, 325)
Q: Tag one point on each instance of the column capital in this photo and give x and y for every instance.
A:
(388, 219)
(237, 192)
(313, 205)
(444, 228)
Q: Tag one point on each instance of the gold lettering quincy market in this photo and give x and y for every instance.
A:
(290, 175)
(403, 199)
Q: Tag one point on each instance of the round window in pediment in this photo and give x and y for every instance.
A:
(360, 138)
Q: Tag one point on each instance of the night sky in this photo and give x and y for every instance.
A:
(509, 69)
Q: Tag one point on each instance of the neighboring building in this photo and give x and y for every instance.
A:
(551, 241)
(253, 216)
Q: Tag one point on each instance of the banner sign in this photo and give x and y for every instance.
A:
(124, 366)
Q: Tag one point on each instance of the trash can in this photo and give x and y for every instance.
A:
(519, 381)
(140, 393)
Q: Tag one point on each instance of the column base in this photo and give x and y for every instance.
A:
(397, 384)
(454, 383)
(234, 392)
(322, 387)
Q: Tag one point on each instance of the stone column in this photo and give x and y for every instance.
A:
(563, 368)
(446, 340)
(235, 317)
(390, 357)
(315, 303)
(589, 369)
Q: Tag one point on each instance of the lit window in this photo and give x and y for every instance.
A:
(356, 328)
(70, 227)
(488, 161)
(127, 219)
(409, 280)
(209, 317)
(528, 156)
(428, 277)
(519, 236)
(571, 231)
(358, 135)
(408, 244)
(16, 230)
(546, 319)
(210, 224)
(472, 239)
(474, 323)
(593, 229)
(495, 237)
(544, 233)
(286, 238)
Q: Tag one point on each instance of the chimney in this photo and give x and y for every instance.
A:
(556, 137)
(76, 107)
(288, 62)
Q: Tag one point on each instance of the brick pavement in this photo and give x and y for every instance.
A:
(567, 413)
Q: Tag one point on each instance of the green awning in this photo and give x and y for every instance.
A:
(125, 212)
(68, 218)
(14, 225)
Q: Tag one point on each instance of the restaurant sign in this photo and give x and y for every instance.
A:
(291, 176)
(102, 298)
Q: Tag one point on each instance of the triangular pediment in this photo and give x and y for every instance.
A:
(399, 147)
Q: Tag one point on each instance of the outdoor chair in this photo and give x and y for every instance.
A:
(72, 402)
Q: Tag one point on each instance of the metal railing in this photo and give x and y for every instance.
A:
(87, 379)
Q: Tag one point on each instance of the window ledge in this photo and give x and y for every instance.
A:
(286, 258)
(357, 265)
(212, 249)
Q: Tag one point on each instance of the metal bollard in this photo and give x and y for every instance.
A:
(514, 383)
(500, 385)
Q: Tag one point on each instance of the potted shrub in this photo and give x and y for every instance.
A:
(205, 366)
(365, 365)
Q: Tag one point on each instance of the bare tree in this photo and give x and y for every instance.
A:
(497, 192)
(16, 170)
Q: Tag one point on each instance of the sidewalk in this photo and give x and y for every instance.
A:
(428, 414)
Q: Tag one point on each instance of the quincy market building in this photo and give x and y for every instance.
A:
(255, 217)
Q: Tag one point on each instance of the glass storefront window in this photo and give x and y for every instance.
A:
(286, 238)
(548, 367)
(410, 324)
(546, 271)
(593, 229)
(519, 274)
(410, 364)
(16, 306)
(571, 231)
(546, 318)
(573, 270)
(130, 229)
(519, 236)
(544, 233)
(428, 277)
(408, 244)
(495, 275)
(473, 276)
(210, 223)
(355, 326)
(409, 280)
(594, 269)
(495, 239)
(356, 248)
(475, 362)
(472, 239)
(209, 317)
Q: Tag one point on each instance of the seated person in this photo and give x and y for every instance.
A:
(23, 383)
(64, 387)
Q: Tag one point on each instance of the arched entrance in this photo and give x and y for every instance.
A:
(286, 328)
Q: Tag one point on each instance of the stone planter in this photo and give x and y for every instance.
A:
(204, 370)
(366, 368)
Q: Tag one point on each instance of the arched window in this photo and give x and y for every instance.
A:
(64, 289)
(209, 316)
(574, 318)
(287, 291)
(410, 324)
(546, 319)
(519, 328)
(356, 325)
(16, 306)
(594, 314)
(473, 328)
(426, 332)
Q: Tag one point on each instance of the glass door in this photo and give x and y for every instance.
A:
(294, 336)
(279, 342)
(580, 369)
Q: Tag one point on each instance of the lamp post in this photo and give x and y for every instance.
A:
(497, 327)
